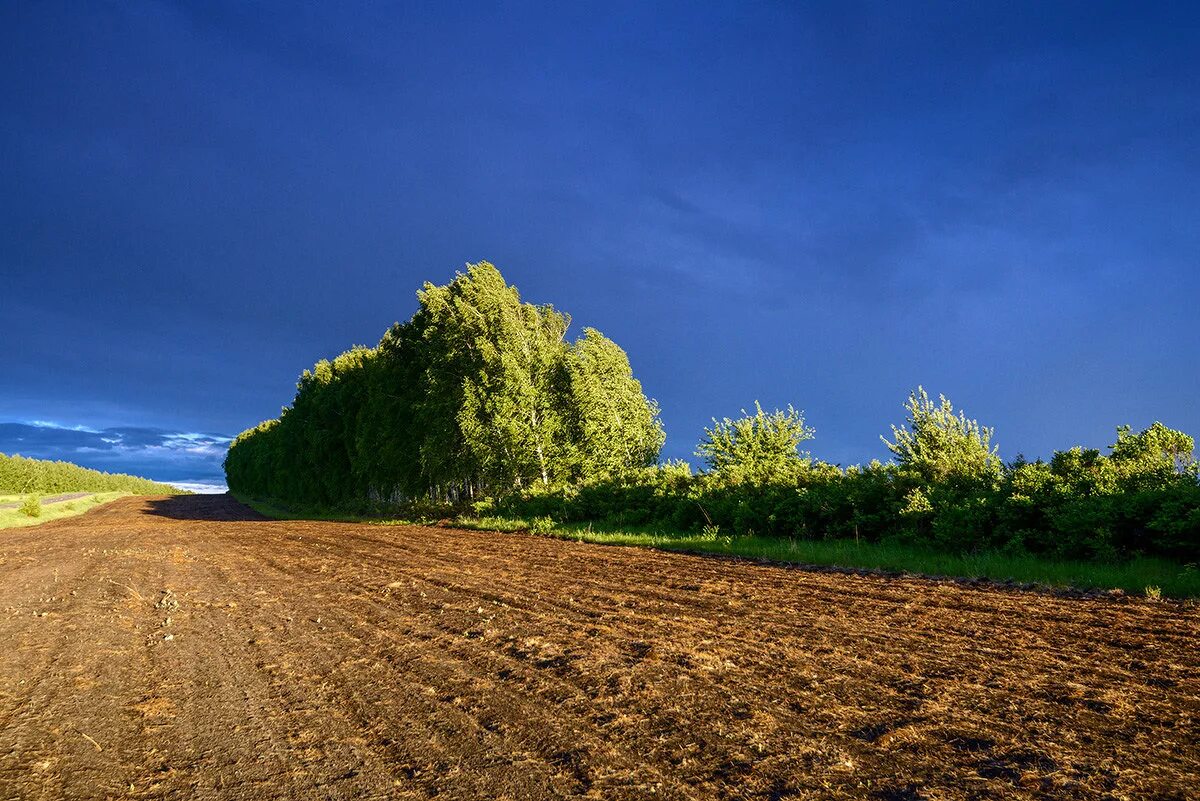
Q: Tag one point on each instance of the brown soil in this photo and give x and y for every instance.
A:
(183, 648)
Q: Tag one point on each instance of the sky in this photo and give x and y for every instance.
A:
(817, 204)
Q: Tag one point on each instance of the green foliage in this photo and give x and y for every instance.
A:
(610, 425)
(19, 475)
(759, 447)
(941, 446)
(478, 394)
(31, 506)
(1158, 452)
(950, 493)
(541, 525)
(480, 401)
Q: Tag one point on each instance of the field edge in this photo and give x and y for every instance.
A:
(1152, 579)
(14, 518)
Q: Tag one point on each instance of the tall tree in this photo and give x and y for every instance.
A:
(478, 392)
(496, 358)
(611, 425)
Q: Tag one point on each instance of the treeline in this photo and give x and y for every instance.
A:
(21, 476)
(946, 488)
(480, 401)
(479, 394)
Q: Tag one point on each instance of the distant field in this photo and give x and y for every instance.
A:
(15, 518)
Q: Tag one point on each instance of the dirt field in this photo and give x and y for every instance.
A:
(182, 648)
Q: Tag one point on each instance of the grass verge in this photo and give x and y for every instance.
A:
(15, 518)
(1148, 577)
(1144, 576)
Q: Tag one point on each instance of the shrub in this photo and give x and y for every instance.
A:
(1079, 505)
(541, 525)
(31, 506)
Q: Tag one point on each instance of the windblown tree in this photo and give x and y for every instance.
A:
(610, 426)
(478, 393)
(499, 359)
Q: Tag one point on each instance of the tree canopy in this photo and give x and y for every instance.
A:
(762, 446)
(479, 392)
(940, 445)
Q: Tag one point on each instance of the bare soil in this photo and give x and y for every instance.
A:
(184, 648)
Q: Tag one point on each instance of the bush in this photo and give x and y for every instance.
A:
(757, 447)
(541, 525)
(31, 506)
(1142, 501)
(943, 446)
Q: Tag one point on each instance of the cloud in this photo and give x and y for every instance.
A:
(201, 487)
(59, 426)
(163, 455)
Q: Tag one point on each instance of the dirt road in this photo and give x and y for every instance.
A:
(182, 648)
(66, 496)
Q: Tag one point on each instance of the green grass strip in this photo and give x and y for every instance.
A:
(15, 518)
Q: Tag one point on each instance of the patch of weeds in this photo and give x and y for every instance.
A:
(31, 506)
(541, 525)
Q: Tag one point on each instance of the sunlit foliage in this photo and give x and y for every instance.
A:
(947, 489)
(479, 393)
(481, 399)
(19, 475)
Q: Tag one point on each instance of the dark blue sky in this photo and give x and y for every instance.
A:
(819, 204)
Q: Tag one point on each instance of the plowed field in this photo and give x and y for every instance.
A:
(184, 648)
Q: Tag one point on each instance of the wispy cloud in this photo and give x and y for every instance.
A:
(60, 426)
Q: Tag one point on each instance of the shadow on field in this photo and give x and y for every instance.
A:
(202, 507)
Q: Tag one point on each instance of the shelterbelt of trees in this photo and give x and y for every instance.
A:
(479, 394)
(21, 476)
(946, 488)
(479, 400)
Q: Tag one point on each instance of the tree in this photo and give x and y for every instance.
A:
(478, 392)
(611, 426)
(499, 357)
(939, 445)
(1157, 449)
(760, 446)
